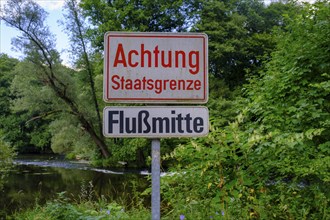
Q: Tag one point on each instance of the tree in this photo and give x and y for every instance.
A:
(240, 36)
(38, 44)
(13, 127)
(77, 29)
(137, 15)
(6, 65)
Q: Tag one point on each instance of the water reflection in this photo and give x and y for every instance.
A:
(32, 182)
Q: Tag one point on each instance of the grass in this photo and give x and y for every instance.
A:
(62, 208)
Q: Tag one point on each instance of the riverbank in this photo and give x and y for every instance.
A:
(62, 208)
(34, 181)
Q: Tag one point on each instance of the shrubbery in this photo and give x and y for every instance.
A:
(63, 208)
(273, 161)
(6, 160)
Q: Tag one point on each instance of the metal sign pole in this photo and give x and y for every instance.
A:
(155, 179)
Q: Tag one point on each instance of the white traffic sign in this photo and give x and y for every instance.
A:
(155, 67)
(155, 121)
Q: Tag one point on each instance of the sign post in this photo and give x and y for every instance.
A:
(155, 179)
(169, 68)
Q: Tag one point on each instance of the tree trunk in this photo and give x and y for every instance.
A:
(28, 17)
(99, 141)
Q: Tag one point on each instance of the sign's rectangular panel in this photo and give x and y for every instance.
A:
(155, 67)
(155, 121)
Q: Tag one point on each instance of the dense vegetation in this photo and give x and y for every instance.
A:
(267, 154)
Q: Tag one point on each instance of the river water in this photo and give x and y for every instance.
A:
(35, 180)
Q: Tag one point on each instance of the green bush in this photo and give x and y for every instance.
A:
(273, 161)
(62, 208)
(6, 160)
(85, 207)
(224, 176)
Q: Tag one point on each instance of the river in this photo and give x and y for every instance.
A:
(37, 179)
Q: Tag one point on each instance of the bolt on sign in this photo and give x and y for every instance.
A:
(155, 67)
(155, 121)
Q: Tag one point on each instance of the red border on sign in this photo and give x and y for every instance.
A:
(108, 98)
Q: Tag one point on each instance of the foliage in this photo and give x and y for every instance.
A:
(37, 42)
(272, 162)
(6, 160)
(292, 100)
(223, 177)
(210, 178)
(6, 65)
(77, 30)
(85, 211)
(240, 36)
(6, 155)
(63, 208)
(69, 138)
(16, 128)
(143, 16)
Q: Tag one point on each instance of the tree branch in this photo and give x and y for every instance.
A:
(44, 115)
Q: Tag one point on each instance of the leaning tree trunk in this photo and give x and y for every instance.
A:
(76, 28)
(38, 45)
